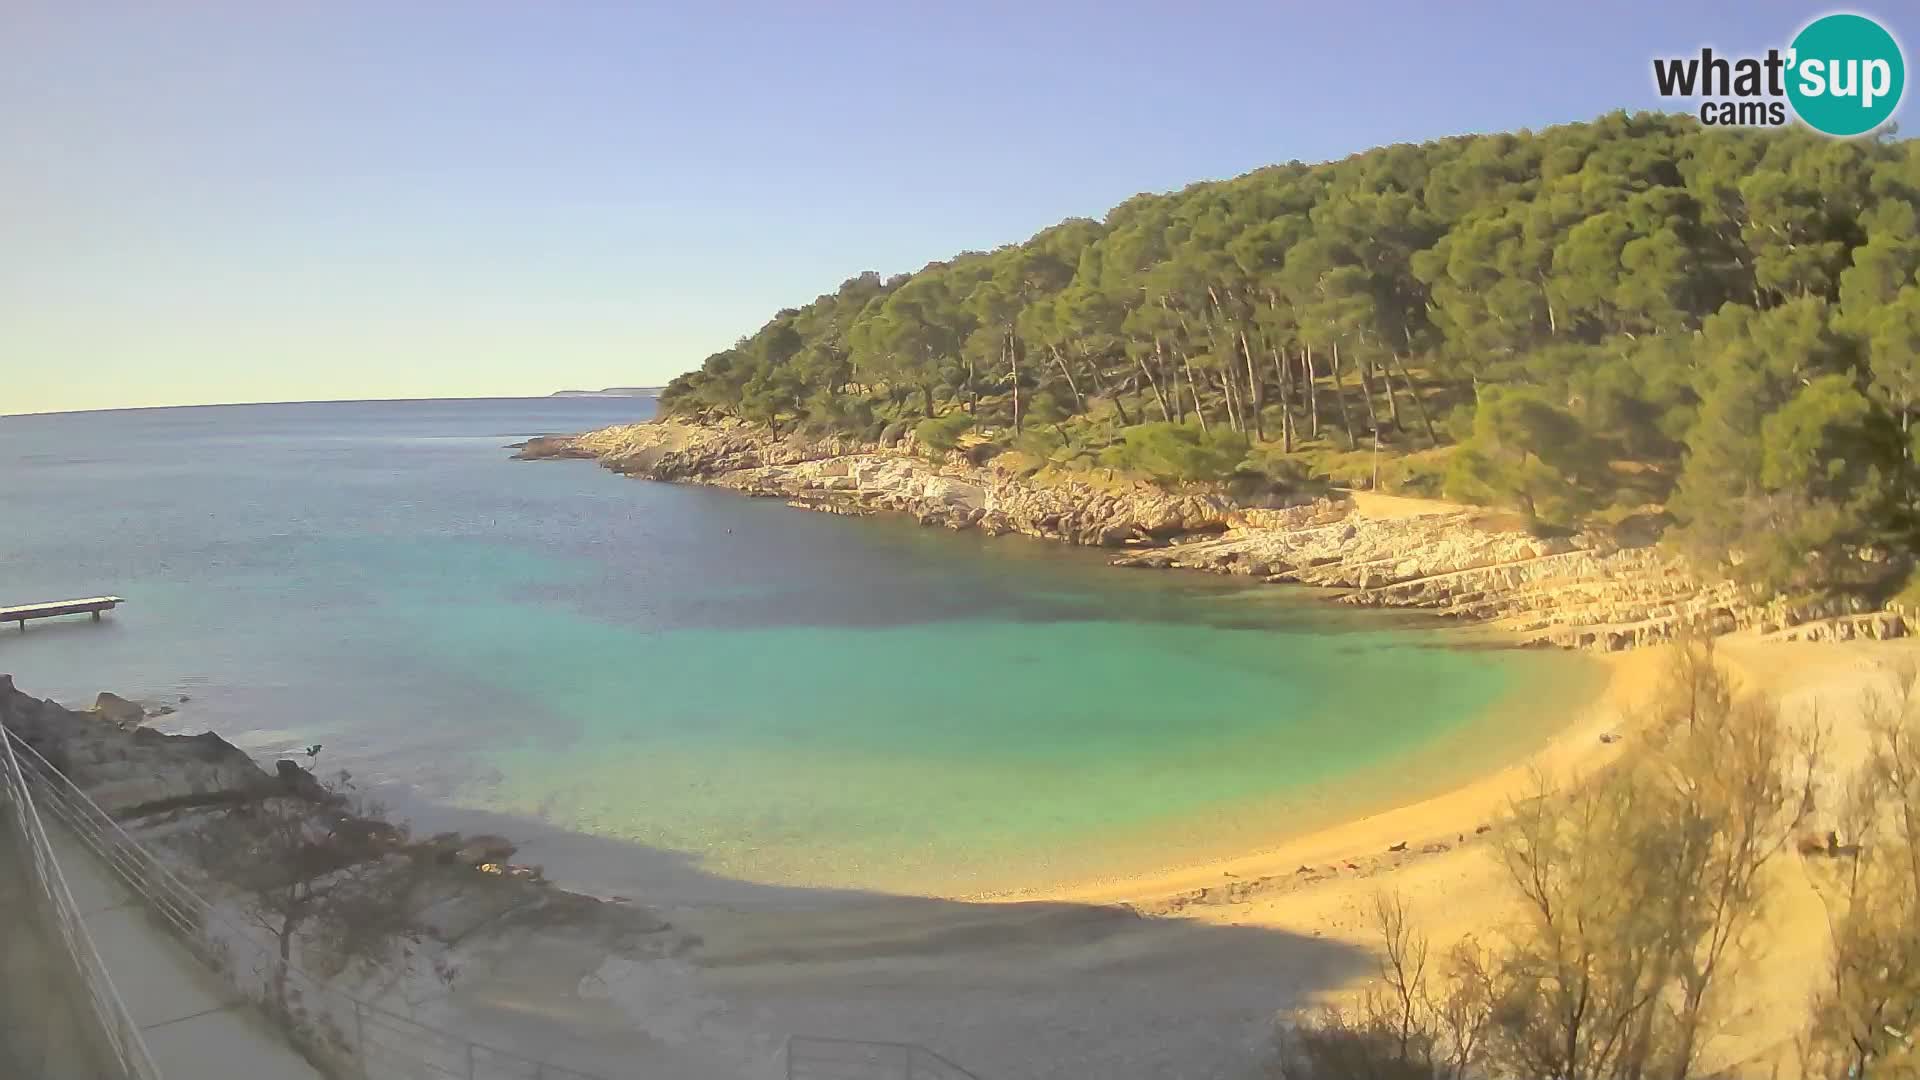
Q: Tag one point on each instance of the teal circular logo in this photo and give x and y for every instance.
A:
(1846, 76)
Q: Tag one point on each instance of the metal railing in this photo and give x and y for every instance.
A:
(813, 1058)
(119, 1035)
(339, 1033)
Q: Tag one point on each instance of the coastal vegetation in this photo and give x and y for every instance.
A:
(1642, 898)
(1635, 318)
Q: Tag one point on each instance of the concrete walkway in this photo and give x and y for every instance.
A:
(45, 1028)
(195, 1025)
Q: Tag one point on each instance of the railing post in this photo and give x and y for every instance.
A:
(469, 1061)
(360, 1040)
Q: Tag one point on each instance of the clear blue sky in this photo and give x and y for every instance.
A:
(246, 201)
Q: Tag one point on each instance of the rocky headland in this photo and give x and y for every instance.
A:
(159, 787)
(1608, 590)
(468, 914)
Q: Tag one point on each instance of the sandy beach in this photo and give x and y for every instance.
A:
(1322, 886)
(1176, 973)
(1450, 818)
(1179, 971)
(1182, 971)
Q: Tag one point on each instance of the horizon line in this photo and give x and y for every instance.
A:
(564, 395)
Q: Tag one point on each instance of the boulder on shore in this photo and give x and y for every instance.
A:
(118, 710)
(303, 784)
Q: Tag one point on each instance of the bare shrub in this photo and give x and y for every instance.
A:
(1639, 892)
(1866, 1019)
(1416, 1020)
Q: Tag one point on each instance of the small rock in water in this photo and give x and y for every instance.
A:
(118, 710)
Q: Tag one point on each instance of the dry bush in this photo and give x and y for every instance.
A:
(1416, 1020)
(1642, 888)
(1639, 892)
(1867, 1018)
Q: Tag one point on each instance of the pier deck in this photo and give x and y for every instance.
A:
(91, 605)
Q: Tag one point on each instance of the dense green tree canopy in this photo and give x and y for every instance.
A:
(1601, 318)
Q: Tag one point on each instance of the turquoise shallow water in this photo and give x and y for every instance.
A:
(785, 697)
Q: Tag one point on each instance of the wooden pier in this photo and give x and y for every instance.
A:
(92, 605)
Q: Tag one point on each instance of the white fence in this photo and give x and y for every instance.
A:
(112, 1025)
(340, 1034)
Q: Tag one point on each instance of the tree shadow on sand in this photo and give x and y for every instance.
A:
(1007, 989)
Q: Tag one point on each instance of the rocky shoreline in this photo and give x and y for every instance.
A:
(610, 987)
(472, 911)
(1592, 590)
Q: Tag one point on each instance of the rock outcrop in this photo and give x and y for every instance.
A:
(845, 476)
(1592, 590)
(460, 914)
(122, 769)
(118, 710)
(157, 786)
(1585, 591)
(548, 446)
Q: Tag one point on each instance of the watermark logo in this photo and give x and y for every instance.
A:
(1842, 75)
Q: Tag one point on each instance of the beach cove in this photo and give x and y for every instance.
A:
(488, 682)
(784, 698)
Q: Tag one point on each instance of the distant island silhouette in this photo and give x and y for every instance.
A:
(611, 391)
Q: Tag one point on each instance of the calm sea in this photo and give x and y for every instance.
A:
(768, 695)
